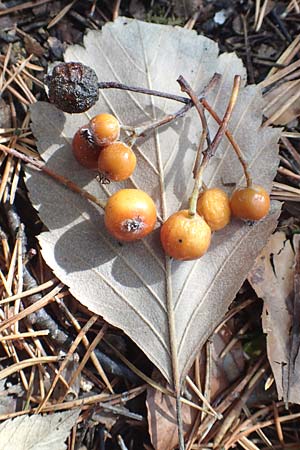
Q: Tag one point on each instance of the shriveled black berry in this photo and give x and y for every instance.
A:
(73, 87)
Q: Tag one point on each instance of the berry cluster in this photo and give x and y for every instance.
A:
(187, 237)
(130, 214)
(95, 147)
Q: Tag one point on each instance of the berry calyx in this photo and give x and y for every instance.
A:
(213, 205)
(185, 237)
(105, 128)
(130, 214)
(250, 203)
(116, 161)
(84, 150)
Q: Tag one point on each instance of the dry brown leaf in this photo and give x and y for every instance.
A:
(9, 397)
(223, 371)
(127, 284)
(5, 114)
(33, 46)
(226, 369)
(186, 8)
(272, 278)
(162, 421)
(37, 432)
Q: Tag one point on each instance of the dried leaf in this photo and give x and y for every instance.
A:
(137, 9)
(5, 114)
(162, 421)
(293, 381)
(186, 8)
(37, 432)
(223, 371)
(8, 397)
(272, 277)
(127, 284)
(33, 46)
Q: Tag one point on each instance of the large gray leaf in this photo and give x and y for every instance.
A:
(126, 284)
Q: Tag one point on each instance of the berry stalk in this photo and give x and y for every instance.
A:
(232, 141)
(141, 131)
(210, 151)
(205, 135)
(141, 90)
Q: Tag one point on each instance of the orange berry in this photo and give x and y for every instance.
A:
(250, 203)
(130, 214)
(84, 150)
(105, 128)
(213, 205)
(185, 237)
(117, 161)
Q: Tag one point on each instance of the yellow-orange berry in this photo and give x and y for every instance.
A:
(117, 161)
(213, 205)
(250, 203)
(185, 237)
(105, 128)
(84, 150)
(130, 214)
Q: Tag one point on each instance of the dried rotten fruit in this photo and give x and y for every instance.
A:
(72, 87)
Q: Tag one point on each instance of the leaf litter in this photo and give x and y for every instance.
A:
(275, 278)
(224, 370)
(127, 284)
(37, 432)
